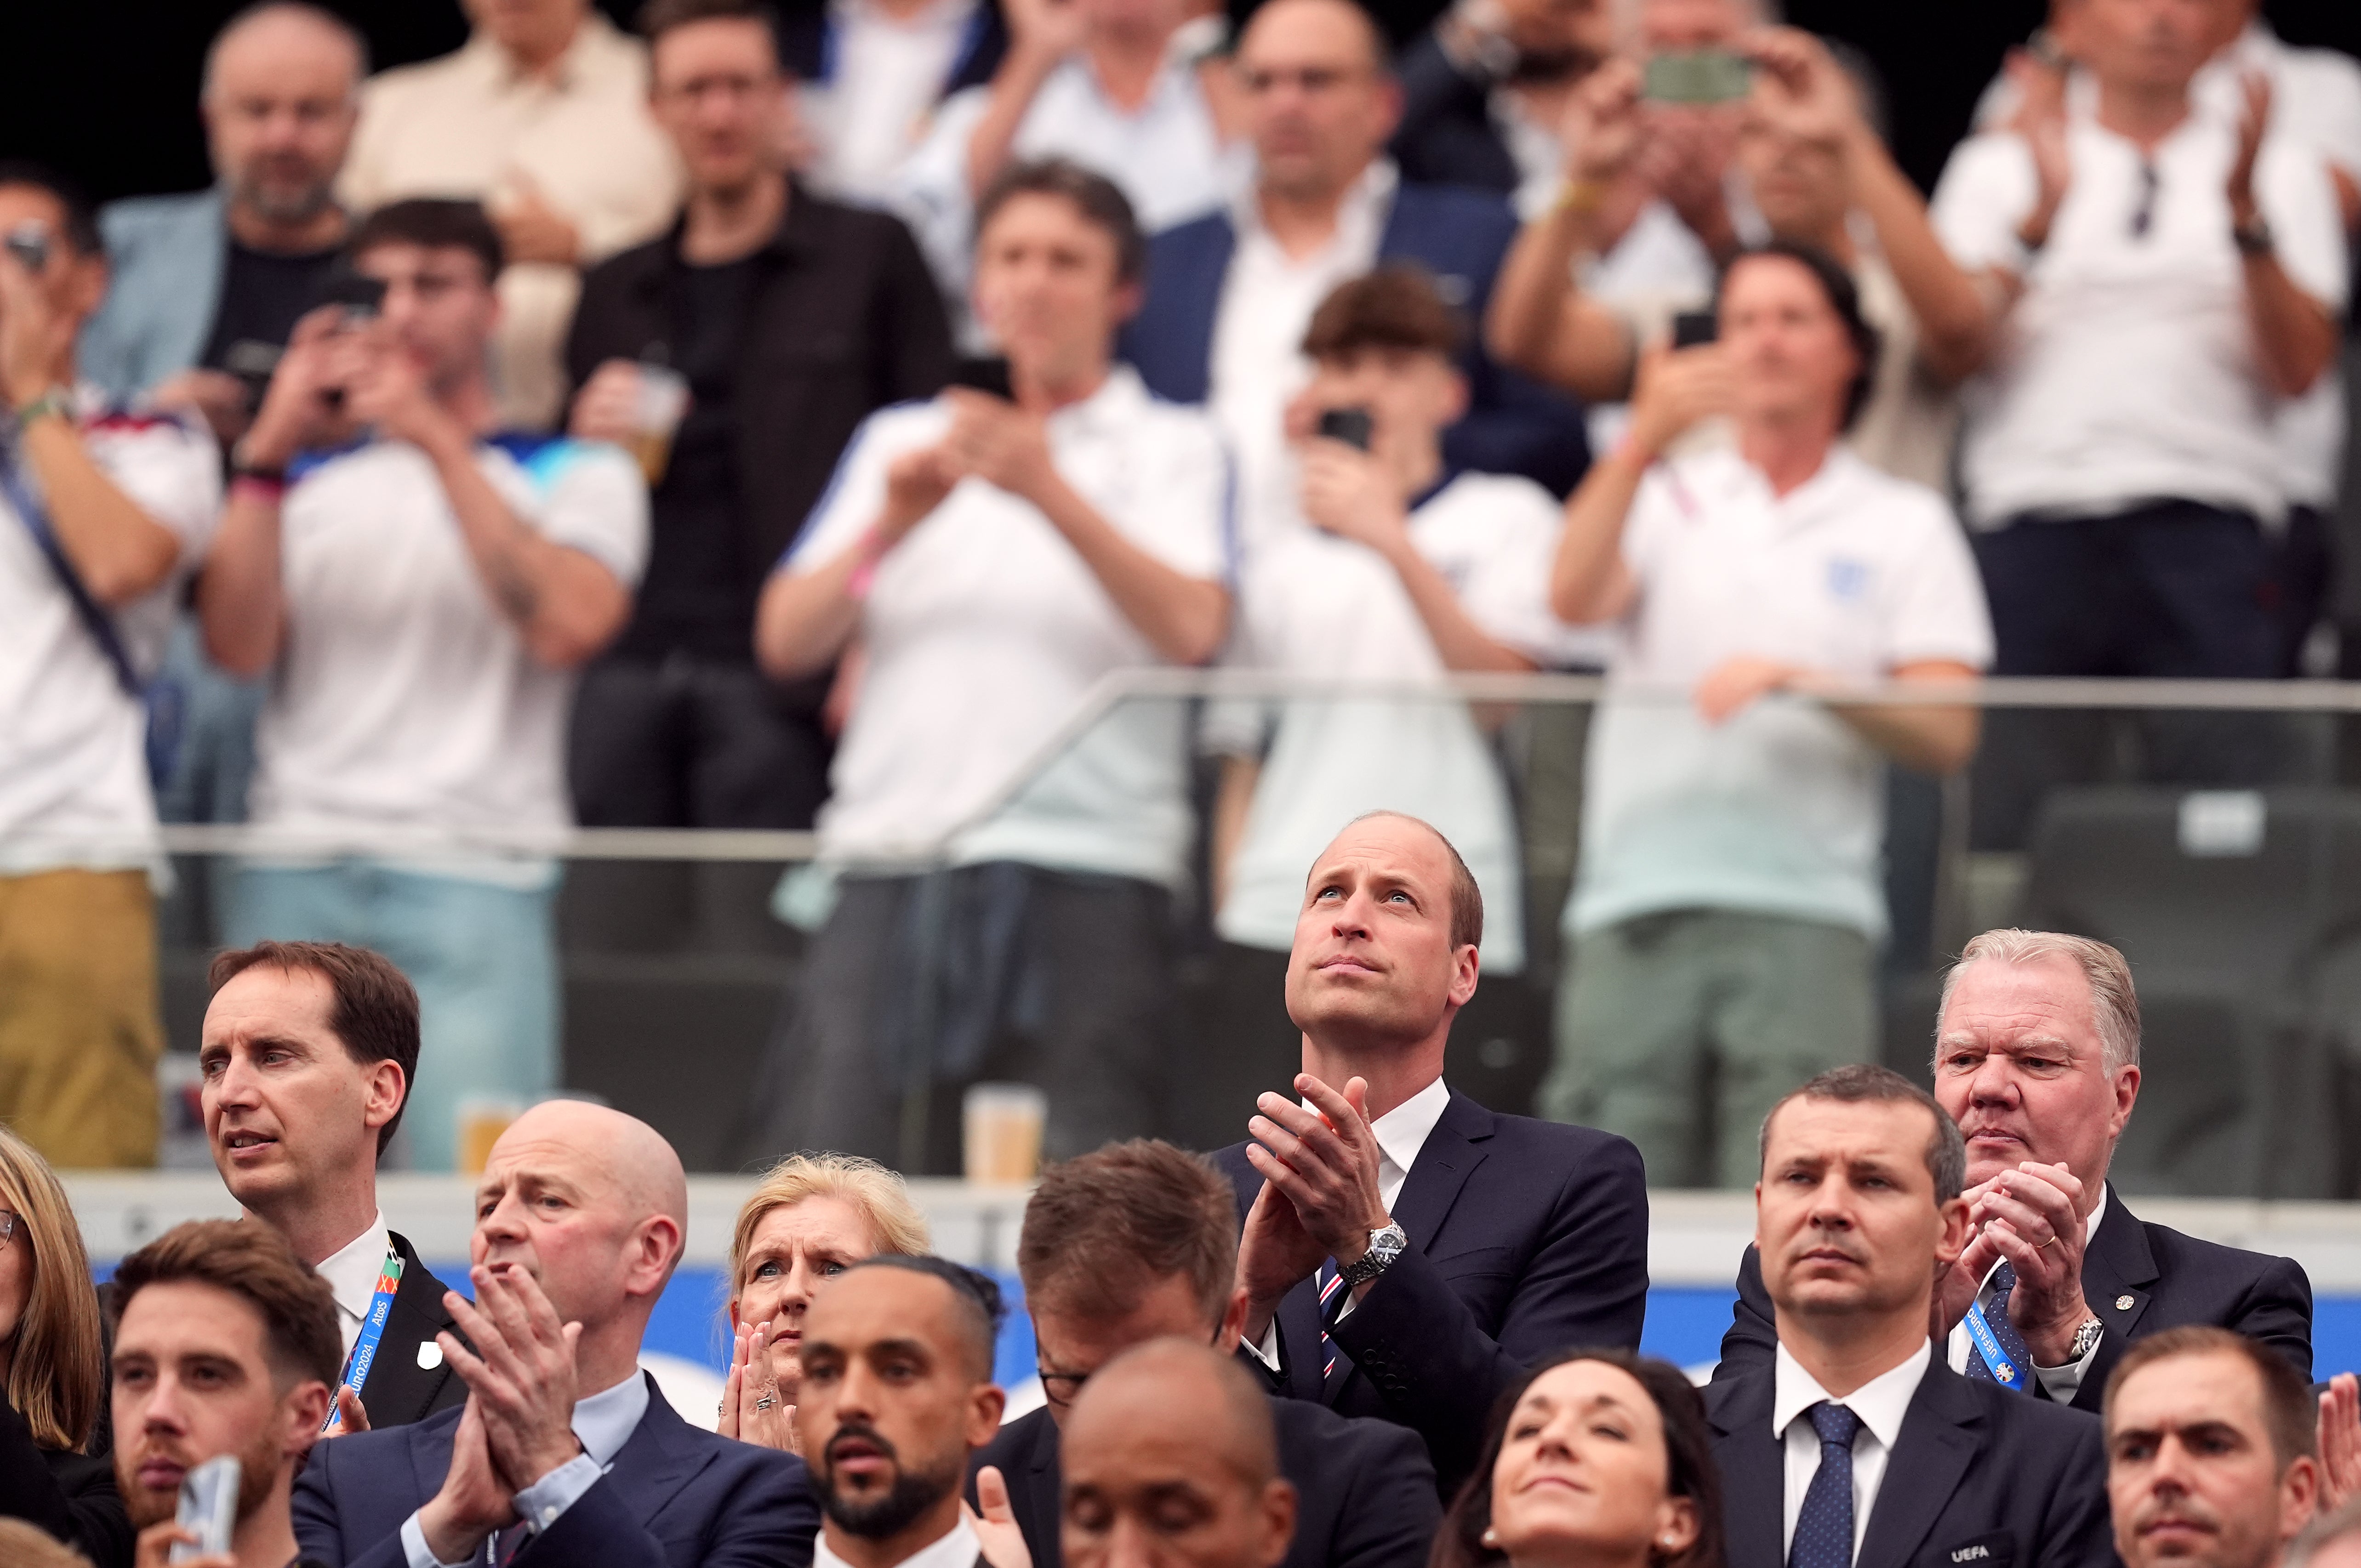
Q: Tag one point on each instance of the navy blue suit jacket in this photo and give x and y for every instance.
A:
(1364, 1491)
(1974, 1466)
(674, 1498)
(2139, 1278)
(1513, 426)
(1526, 1238)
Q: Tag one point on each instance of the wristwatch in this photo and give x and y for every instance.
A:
(2253, 237)
(1387, 1243)
(2086, 1339)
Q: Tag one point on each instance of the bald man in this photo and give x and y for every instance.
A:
(564, 1452)
(1171, 1442)
(1406, 1252)
(1229, 295)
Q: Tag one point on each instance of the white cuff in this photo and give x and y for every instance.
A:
(1267, 1351)
(539, 1504)
(414, 1549)
(2062, 1383)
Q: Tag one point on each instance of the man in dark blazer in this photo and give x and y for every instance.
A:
(1139, 1241)
(792, 318)
(581, 1214)
(1454, 74)
(2037, 1058)
(1317, 168)
(1855, 1449)
(1451, 1246)
(308, 1051)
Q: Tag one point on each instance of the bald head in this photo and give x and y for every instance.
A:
(629, 1159)
(1175, 1422)
(281, 95)
(1320, 101)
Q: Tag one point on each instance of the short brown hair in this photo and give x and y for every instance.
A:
(432, 223)
(374, 1010)
(658, 17)
(1098, 199)
(253, 1262)
(2288, 1406)
(1467, 897)
(1102, 1229)
(1397, 306)
(1859, 1082)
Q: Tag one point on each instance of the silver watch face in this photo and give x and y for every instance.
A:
(1387, 1242)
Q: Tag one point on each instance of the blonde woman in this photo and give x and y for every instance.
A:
(51, 1366)
(812, 1216)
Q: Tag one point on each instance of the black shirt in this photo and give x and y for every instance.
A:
(696, 597)
(264, 293)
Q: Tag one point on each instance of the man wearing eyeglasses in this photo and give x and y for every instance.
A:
(1229, 295)
(1137, 1242)
(2162, 269)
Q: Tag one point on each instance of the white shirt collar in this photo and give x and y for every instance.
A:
(1402, 1131)
(606, 1420)
(958, 1548)
(351, 1271)
(1360, 215)
(1880, 1403)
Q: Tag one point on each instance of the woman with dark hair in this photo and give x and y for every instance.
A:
(1597, 1459)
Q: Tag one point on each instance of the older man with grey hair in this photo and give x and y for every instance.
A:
(2037, 1059)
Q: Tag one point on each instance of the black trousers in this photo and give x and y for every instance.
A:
(691, 743)
(919, 986)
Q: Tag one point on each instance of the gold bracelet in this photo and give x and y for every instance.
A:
(1581, 197)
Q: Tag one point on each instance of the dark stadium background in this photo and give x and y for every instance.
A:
(106, 90)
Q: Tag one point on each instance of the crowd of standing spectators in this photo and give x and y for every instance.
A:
(771, 423)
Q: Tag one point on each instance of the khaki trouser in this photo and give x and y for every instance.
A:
(79, 1028)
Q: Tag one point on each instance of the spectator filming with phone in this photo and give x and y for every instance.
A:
(1397, 567)
(996, 557)
(1727, 909)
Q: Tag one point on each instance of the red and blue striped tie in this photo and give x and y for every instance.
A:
(1330, 1283)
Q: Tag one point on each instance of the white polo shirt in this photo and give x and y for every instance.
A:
(403, 696)
(2126, 372)
(1167, 156)
(1780, 809)
(73, 772)
(1318, 605)
(985, 630)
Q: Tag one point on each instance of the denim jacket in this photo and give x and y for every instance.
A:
(165, 256)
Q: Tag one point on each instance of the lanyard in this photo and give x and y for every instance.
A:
(357, 1369)
(1996, 1360)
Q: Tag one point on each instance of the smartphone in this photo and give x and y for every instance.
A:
(1692, 328)
(208, 1508)
(1697, 76)
(30, 243)
(982, 373)
(362, 297)
(1352, 427)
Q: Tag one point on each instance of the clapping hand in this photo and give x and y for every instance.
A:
(752, 1408)
(2254, 124)
(1323, 1166)
(996, 1530)
(521, 1375)
(2340, 1442)
(2031, 1215)
(2040, 122)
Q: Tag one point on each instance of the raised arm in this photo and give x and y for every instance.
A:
(1042, 33)
(807, 615)
(2295, 334)
(1589, 581)
(1539, 320)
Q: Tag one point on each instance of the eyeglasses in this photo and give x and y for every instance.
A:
(1061, 1388)
(7, 1226)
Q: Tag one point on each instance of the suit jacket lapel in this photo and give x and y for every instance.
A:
(1451, 1152)
(2118, 1270)
(1753, 1472)
(1941, 1434)
(654, 1462)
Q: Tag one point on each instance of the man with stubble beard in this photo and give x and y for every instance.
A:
(897, 1392)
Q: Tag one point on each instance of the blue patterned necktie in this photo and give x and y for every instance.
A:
(1824, 1527)
(1330, 1283)
(2012, 1343)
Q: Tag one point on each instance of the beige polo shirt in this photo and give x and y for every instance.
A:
(471, 124)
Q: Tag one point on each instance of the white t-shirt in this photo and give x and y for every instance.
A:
(1318, 605)
(2127, 372)
(73, 772)
(984, 631)
(1779, 811)
(1167, 156)
(869, 111)
(403, 696)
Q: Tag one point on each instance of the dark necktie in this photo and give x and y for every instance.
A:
(1824, 1527)
(1331, 1357)
(2012, 1343)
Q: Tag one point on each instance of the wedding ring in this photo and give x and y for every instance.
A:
(2051, 1241)
(765, 1403)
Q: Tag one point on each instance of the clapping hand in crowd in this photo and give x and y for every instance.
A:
(1800, 90)
(531, 229)
(753, 1408)
(518, 1423)
(35, 327)
(2254, 124)
(1319, 1195)
(2032, 1216)
(2040, 122)
(1046, 30)
(997, 1533)
(2340, 1442)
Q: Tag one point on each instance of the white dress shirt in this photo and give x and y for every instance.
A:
(2062, 1382)
(1400, 1133)
(957, 1547)
(351, 1272)
(603, 1422)
(869, 111)
(1880, 1403)
(1268, 298)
